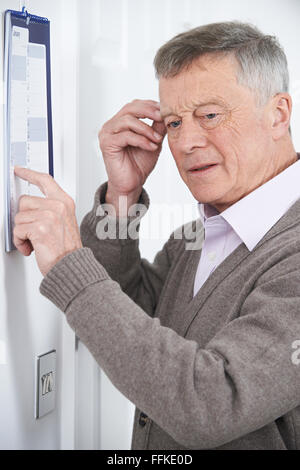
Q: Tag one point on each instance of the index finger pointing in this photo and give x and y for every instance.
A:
(43, 181)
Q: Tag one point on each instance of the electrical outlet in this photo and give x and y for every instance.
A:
(45, 383)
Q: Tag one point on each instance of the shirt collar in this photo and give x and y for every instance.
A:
(255, 214)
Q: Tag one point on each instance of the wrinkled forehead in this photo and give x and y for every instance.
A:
(207, 79)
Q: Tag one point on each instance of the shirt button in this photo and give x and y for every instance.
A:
(212, 255)
(143, 419)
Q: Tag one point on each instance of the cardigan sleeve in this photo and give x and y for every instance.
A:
(242, 380)
(116, 247)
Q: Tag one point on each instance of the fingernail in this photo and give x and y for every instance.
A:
(157, 135)
(154, 146)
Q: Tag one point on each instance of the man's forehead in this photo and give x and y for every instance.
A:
(166, 110)
(200, 85)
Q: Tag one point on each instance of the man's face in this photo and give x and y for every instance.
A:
(210, 118)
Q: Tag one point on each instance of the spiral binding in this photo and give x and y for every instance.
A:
(32, 18)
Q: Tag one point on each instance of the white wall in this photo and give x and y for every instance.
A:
(29, 324)
(102, 53)
(118, 41)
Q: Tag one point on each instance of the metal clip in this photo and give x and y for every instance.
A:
(24, 11)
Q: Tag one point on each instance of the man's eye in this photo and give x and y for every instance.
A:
(211, 116)
(211, 120)
(174, 124)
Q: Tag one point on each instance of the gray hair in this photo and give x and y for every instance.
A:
(262, 62)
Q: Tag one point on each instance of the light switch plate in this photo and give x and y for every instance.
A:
(45, 383)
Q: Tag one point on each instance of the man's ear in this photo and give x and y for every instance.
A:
(281, 115)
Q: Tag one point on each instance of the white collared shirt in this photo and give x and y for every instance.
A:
(246, 221)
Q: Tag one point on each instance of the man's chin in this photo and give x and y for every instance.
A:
(205, 197)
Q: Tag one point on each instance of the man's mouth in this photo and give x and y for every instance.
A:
(202, 168)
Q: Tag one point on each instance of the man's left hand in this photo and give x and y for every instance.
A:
(47, 225)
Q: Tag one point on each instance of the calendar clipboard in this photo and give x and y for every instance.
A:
(28, 139)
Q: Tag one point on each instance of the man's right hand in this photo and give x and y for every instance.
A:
(131, 148)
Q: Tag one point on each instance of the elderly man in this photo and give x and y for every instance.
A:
(205, 342)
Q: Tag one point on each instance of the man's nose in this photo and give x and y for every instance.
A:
(192, 136)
